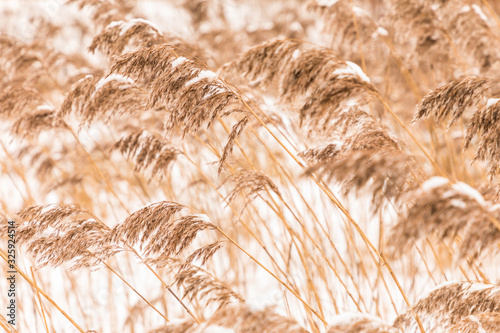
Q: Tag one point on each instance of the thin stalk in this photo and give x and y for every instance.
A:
(4, 323)
(273, 275)
(262, 266)
(19, 172)
(39, 301)
(43, 293)
(360, 45)
(302, 226)
(332, 267)
(135, 290)
(245, 225)
(492, 12)
(345, 212)
(407, 130)
(426, 266)
(97, 169)
(183, 305)
(325, 233)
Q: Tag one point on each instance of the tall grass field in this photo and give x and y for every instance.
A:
(250, 166)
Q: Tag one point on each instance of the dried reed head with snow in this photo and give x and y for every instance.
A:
(192, 95)
(450, 304)
(483, 322)
(58, 234)
(446, 211)
(453, 99)
(313, 81)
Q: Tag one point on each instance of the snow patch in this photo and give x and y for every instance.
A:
(350, 70)
(151, 24)
(203, 218)
(204, 74)
(295, 54)
(382, 32)
(491, 101)
(113, 24)
(434, 182)
(465, 9)
(353, 101)
(469, 191)
(213, 90)
(480, 13)
(178, 61)
(48, 208)
(359, 12)
(87, 77)
(326, 3)
(112, 77)
(494, 208)
(50, 231)
(472, 287)
(44, 107)
(458, 203)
